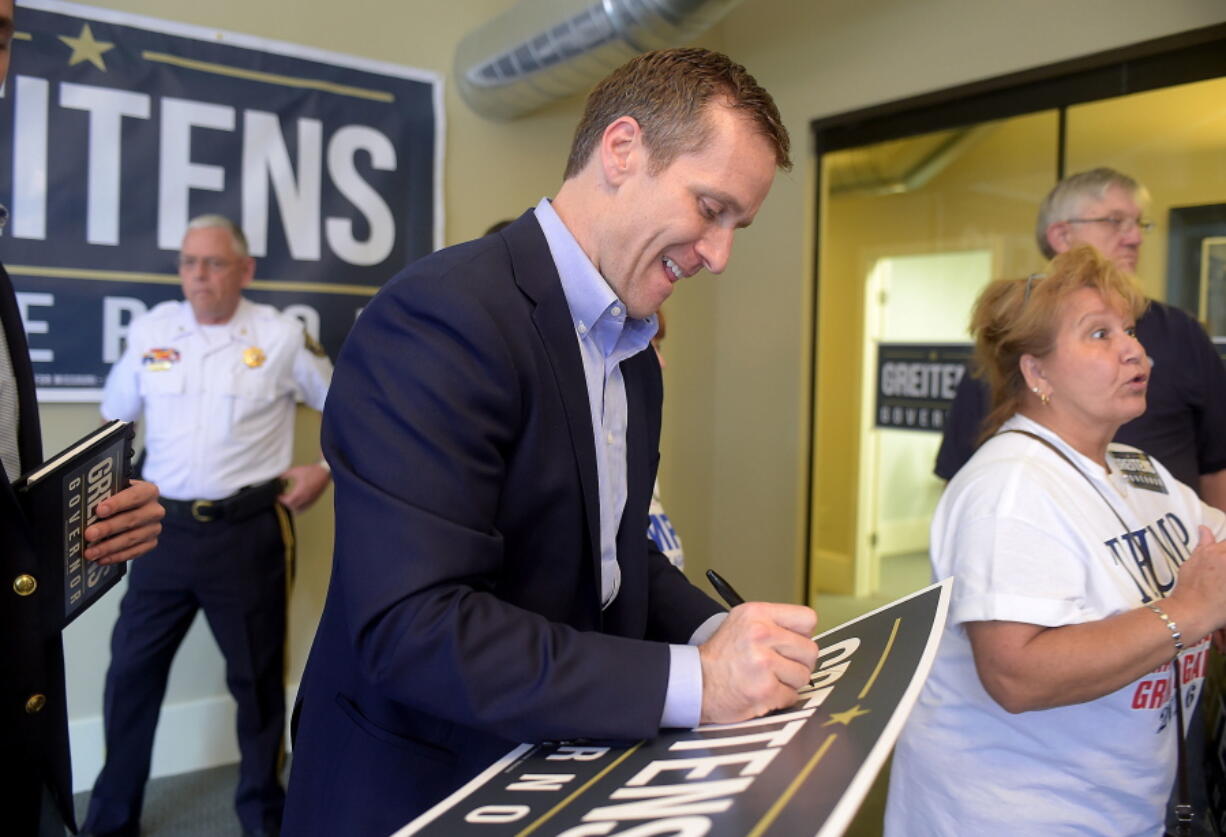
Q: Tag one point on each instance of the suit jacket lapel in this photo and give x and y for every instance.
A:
(537, 276)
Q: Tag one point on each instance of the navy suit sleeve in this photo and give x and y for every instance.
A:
(462, 561)
(35, 752)
(679, 608)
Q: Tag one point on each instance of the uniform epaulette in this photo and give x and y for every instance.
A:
(312, 345)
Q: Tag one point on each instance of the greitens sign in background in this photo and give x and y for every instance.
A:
(116, 129)
(916, 383)
(803, 770)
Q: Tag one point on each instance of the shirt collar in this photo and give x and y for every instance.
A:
(234, 326)
(596, 311)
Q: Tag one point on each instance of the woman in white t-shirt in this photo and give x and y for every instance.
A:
(1050, 709)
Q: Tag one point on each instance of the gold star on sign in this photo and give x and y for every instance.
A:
(85, 48)
(845, 718)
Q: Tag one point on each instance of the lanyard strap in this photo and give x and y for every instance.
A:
(1183, 810)
(1073, 465)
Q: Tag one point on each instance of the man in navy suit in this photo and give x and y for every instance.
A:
(35, 774)
(493, 430)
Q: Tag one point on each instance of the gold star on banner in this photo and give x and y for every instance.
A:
(85, 48)
(845, 718)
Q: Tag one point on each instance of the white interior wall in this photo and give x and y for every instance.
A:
(928, 300)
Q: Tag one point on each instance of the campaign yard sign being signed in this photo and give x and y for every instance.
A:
(119, 128)
(803, 770)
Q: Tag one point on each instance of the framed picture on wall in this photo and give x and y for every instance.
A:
(1190, 227)
(1213, 285)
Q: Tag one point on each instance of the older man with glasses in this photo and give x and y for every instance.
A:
(216, 378)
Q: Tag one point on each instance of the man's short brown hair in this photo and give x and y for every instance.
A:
(667, 92)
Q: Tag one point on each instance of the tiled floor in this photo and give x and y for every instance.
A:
(197, 804)
(900, 575)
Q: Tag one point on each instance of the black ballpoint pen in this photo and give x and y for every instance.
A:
(732, 597)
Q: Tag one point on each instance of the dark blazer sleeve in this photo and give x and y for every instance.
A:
(463, 562)
(35, 751)
(678, 607)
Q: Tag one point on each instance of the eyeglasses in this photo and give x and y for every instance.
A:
(1123, 224)
(211, 264)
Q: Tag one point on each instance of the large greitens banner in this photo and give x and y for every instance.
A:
(803, 770)
(116, 129)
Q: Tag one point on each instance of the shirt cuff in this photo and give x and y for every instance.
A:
(683, 700)
(704, 631)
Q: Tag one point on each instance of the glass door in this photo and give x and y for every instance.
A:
(1173, 141)
(911, 230)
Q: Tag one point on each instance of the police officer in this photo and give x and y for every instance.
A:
(216, 377)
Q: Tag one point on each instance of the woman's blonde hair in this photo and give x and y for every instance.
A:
(1015, 317)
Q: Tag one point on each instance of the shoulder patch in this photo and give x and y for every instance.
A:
(312, 345)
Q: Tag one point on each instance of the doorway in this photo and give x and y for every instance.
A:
(915, 300)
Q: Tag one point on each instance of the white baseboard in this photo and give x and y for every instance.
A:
(192, 735)
(831, 572)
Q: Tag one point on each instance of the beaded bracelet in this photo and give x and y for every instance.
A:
(1170, 624)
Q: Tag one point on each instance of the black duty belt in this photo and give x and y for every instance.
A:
(246, 502)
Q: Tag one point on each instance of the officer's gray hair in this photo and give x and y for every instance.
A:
(214, 221)
(1064, 201)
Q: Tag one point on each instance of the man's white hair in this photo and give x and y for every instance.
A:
(215, 221)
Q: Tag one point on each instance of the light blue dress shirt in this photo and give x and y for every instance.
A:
(606, 336)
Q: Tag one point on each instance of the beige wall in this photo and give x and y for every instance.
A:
(994, 184)
(735, 440)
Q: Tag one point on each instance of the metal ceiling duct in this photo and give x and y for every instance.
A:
(540, 51)
(917, 174)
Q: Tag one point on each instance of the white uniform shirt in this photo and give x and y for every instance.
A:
(1028, 540)
(218, 409)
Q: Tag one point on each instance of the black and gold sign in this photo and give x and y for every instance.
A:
(916, 383)
(802, 770)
